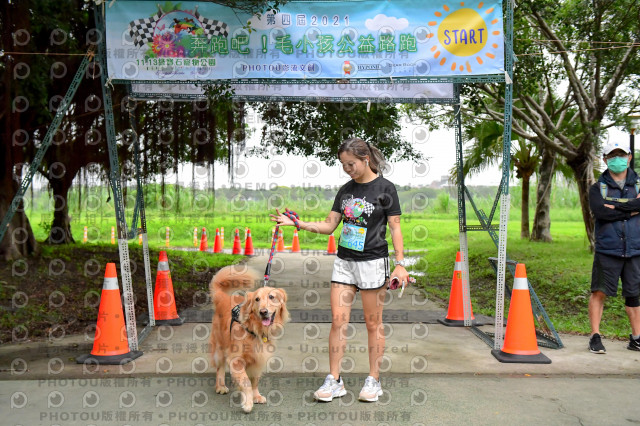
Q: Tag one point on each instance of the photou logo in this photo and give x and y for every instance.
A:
(276, 169)
(19, 400)
(275, 365)
(310, 364)
(19, 366)
(420, 135)
(199, 365)
(311, 169)
(164, 399)
(420, 169)
(55, 399)
(130, 69)
(90, 399)
(310, 298)
(55, 366)
(21, 37)
(127, 399)
(199, 399)
(164, 365)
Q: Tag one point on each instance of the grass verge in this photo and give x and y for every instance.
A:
(58, 292)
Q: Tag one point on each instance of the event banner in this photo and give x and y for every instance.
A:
(195, 41)
(307, 92)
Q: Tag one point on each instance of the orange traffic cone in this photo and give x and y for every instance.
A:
(217, 246)
(455, 313)
(520, 342)
(280, 246)
(237, 249)
(331, 247)
(248, 244)
(110, 344)
(203, 240)
(295, 245)
(164, 301)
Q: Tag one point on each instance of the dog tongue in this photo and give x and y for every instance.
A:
(266, 322)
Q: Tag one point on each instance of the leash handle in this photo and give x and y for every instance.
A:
(394, 283)
(293, 216)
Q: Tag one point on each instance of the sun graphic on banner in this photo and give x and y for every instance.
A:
(464, 35)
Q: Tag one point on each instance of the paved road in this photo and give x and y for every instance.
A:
(432, 374)
(408, 399)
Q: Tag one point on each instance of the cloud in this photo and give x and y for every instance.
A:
(381, 20)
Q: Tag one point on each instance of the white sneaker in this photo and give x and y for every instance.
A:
(331, 388)
(371, 390)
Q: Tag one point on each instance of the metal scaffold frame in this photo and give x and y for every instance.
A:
(500, 264)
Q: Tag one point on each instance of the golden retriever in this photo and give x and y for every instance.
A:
(246, 343)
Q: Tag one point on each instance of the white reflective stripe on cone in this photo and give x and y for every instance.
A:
(110, 284)
(520, 284)
(163, 266)
(458, 266)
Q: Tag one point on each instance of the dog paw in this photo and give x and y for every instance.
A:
(259, 399)
(222, 390)
(247, 406)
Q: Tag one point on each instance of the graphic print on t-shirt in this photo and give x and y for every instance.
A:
(353, 209)
(353, 234)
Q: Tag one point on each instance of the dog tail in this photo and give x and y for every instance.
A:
(234, 278)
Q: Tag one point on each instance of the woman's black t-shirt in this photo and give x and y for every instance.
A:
(364, 208)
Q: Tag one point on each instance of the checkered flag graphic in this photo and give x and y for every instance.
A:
(212, 27)
(368, 208)
(141, 30)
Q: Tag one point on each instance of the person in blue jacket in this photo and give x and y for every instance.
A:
(615, 202)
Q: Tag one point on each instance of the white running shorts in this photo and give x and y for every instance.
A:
(365, 275)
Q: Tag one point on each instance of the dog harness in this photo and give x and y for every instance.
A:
(603, 192)
(235, 315)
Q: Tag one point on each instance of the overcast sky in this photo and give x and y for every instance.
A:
(287, 170)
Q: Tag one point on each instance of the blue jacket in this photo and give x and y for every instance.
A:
(617, 232)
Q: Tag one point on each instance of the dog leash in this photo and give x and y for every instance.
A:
(294, 217)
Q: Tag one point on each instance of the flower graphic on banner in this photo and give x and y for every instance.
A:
(165, 46)
(464, 32)
(176, 33)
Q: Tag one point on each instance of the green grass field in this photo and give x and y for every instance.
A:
(560, 271)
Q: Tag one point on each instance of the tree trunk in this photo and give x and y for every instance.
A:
(60, 232)
(583, 172)
(524, 219)
(18, 239)
(542, 221)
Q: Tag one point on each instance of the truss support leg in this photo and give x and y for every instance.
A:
(114, 178)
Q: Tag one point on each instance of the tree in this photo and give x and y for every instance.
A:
(310, 129)
(576, 57)
(21, 79)
(33, 28)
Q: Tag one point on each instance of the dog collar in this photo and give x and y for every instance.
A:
(235, 314)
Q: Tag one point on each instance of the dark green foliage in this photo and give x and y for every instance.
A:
(317, 129)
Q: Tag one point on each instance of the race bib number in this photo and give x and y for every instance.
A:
(352, 237)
